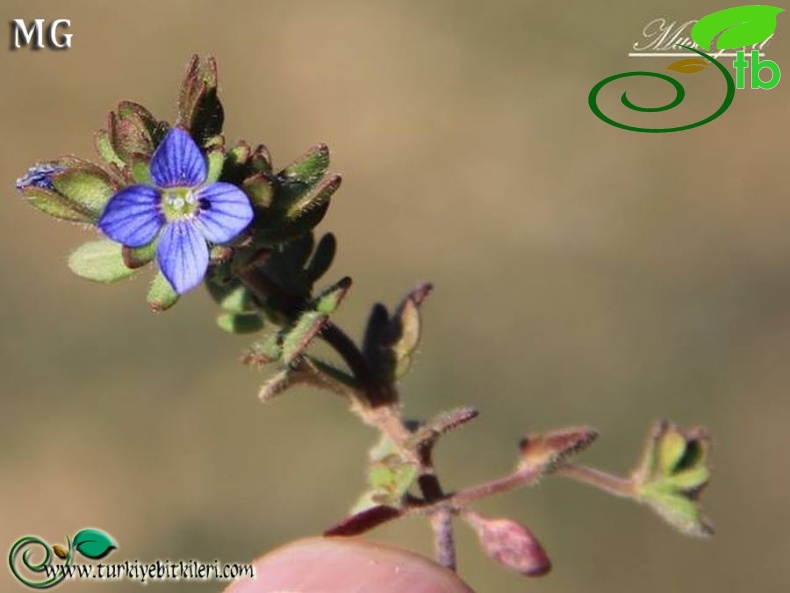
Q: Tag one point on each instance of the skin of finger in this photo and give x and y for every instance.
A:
(346, 565)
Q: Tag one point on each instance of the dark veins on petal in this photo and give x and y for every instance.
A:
(178, 161)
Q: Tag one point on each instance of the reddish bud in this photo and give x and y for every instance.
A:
(510, 544)
(552, 448)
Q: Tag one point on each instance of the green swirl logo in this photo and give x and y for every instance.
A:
(680, 94)
(91, 543)
(731, 28)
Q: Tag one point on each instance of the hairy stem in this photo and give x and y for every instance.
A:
(602, 480)
(291, 306)
(381, 397)
(444, 542)
(518, 479)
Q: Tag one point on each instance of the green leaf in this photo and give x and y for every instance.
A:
(99, 261)
(240, 323)
(137, 257)
(54, 204)
(300, 335)
(329, 300)
(259, 189)
(671, 449)
(161, 295)
(199, 108)
(672, 473)
(94, 543)
(140, 169)
(261, 160)
(311, 199)
(129, 137)
(389, 477)
(264, 351)
(231, 296)
(680, 512)
(390, 342)
(739, 26)
(104, 147)
(407, 320)
(310, 167)
(322, 257)
(215, 159)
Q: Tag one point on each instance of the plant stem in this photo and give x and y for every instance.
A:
(518, 479)
(602, 480)
(380, 397)
(291, 306)
(443, 540)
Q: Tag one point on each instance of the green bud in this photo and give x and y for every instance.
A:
(100, 261)
(87, 185)
(67, 188)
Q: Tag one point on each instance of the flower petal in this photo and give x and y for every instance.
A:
(132, 217)
(39, 175)
(178, 161)
(225, 211)
(182, 255)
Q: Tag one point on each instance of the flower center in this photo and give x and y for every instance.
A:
(179, 203)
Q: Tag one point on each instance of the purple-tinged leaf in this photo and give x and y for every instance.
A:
(364, 521)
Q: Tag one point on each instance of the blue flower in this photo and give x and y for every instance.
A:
(181, 209)
(39, 175)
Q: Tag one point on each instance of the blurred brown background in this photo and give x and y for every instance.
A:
(583, 274)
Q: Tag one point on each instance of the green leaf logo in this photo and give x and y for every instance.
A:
(93, 543)
(736, 27)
